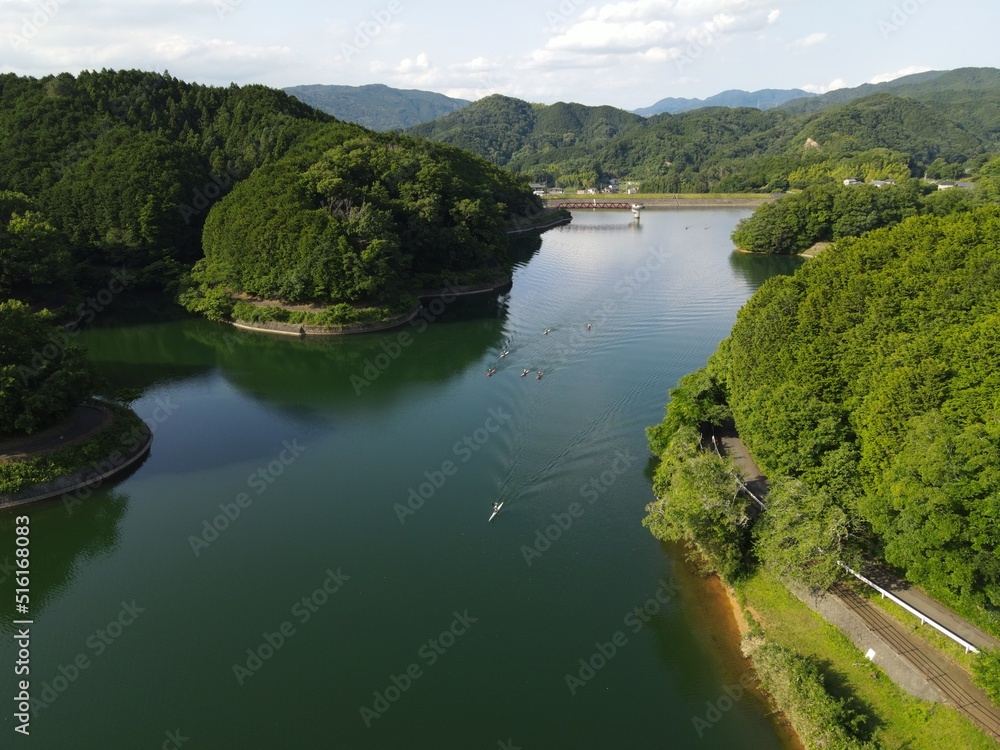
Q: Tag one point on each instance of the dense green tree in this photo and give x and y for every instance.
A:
(698, 400)
(35, 257)
(871, 376)
(699, 502)
(349, 218)
(721, 149)
(826, 211)
(986, 670)
(126, 164)
(803, 535)
(43, 375)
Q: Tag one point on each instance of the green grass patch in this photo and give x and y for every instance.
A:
(335, 315)
(126, 432)
(894, 719)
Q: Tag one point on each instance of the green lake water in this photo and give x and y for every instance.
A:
(330, 518)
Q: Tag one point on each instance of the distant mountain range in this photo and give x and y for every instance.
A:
(376, 106)
(763, 99)
(932, 83)
(900, 127)
(382, 108)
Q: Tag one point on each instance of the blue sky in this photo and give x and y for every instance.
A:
(628, 54)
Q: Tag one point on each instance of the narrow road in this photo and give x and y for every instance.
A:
(930, 607)
(948, 677)
(82, 422)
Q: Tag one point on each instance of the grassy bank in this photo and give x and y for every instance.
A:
(124, 434)
(335, 315)
(893, 719)
(547, 218)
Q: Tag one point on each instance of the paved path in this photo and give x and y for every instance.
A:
(930, 607)
(82, 422)
(729, 444)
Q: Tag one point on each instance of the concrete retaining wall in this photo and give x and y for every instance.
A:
(92, 477)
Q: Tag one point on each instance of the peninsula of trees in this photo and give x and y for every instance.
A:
(349, 219)
(124, 169)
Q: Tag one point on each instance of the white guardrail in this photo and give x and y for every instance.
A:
(923, 618)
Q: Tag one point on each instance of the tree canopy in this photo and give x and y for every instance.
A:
(349, 217)
(871, 378)
(125, 164)
(886, 134)
(43, 375)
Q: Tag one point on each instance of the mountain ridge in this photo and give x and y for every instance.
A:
(762, 99)
(376, 106)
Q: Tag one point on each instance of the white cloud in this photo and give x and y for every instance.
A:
(422, 62)
(884, 77)
(813, 88)
(174, 48)
(472, 79)
(597, 35)
(647, 33)
(773, 16)
(811, 40)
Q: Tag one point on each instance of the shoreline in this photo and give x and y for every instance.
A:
(561, 216)
(109, 466)
(715, 615)
(301, 330)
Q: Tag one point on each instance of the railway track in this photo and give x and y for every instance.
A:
(950, 679)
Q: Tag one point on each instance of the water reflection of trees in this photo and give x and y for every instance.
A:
(360, 371)
(142, 342)
(756, 268)
(630, 226)
(523, 248)
(65, 536)
(150, 342)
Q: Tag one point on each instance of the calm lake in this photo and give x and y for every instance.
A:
(304, 560)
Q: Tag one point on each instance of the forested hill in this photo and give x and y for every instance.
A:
(934, 86)
(872, 376)
(511, 132)
(866, 387)
(377, 106)
(349, 219)
(733, 149)
(123, 168)
(763, 99)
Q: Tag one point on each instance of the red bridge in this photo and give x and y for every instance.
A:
(604, 205)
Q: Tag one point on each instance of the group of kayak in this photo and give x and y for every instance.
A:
(524, 373)
(492, 371)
